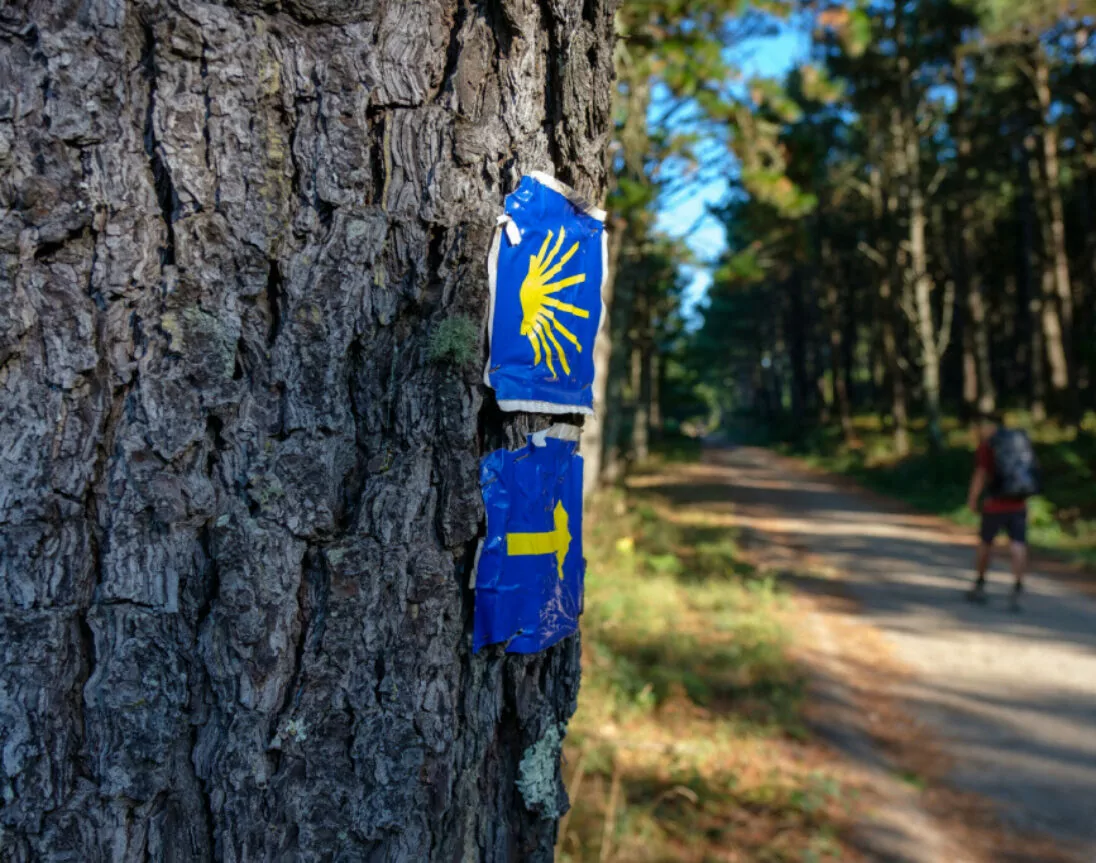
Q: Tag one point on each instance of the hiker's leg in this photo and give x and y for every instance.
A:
(987, 532)
(1017, 533)
(977, 592)
(1019, 562)
(981, 560)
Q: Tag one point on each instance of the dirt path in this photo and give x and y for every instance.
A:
(1011, 698)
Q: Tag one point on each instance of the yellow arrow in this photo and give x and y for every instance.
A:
(555, 541)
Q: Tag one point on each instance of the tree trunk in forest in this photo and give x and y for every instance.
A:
(1055, 208)
(978, 388)
(654, 396)
(593, 430)
(907, 144)
(976, 309)
(797, 348)
(918, 281)
(1086, 317)
(836, 337)
(1032, 289)
(970, 376)
(641, 399)
(602, 435)
(1053, 337)
(241, 501)
(849, 319)
(885, 209)
(922, 290)
(634, 137)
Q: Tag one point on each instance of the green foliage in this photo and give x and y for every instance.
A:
(915, 126)
(454, 340)
(1062, 519)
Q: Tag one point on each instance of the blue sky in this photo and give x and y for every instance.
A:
(685, 216)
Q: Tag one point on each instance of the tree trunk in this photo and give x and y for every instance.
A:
(242, 502)
(922, 288)
(654, 399)
(1053, 336)
(1032, 292)
(1086, 314)
(1055, 207)
(636, 146)
(885, 209)
(976, 308)
(797, 346)
(593, 430)
(907, 146)
(641, 399)
(836, 337)
(978, 389)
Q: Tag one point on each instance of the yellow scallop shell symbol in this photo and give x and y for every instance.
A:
(538, 307)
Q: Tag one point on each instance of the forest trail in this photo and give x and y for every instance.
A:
(1009, 698)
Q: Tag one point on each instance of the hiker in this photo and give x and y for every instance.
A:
(1006, 470)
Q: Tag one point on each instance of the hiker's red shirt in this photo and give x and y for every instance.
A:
(993, 505)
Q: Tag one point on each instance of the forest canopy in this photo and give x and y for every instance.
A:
(908, 228)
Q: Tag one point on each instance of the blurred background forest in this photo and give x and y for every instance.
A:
(840, 229)
(907, 220)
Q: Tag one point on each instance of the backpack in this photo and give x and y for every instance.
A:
(1015, 468)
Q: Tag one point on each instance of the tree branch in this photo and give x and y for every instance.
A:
(871, 253)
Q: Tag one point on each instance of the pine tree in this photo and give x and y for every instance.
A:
(244, 276)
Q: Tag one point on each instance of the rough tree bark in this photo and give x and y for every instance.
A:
(239, 501)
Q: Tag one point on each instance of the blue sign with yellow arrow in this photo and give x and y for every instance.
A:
(530, 573)
(547, 267)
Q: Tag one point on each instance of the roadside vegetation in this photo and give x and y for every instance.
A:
(690, 742)
(1062, 519)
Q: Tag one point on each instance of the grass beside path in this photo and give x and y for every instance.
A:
(689, 743)
(1062, 519)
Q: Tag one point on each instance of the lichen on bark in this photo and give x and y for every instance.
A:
(537, 774)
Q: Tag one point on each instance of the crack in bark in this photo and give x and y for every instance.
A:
(293, 131)
(553, 107)
(204, 797)
(311, 562)
(452, 52)
(212, 577)
(377, 117)
(354, 479)
(275, 295)
(161, 176)
(207, 102)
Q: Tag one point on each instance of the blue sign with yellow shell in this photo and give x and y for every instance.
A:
(530, 572)
(547, 266)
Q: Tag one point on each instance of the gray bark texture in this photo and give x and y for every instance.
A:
(239, 491)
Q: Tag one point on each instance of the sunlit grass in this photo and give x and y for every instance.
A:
(689, 740)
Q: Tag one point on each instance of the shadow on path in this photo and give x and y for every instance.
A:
(1012, 697)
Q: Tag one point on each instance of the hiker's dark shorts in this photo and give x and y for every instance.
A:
(1012, 523)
